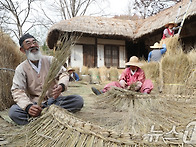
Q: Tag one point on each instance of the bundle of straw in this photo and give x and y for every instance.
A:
(174, 45)
(84, 70)
(175, 71)
(143, 111)
(57, 127)
(66, 41)
(151, 71)
(10, 57)
(113, 74)
(191, 81)
(103, 73)
(94, 74)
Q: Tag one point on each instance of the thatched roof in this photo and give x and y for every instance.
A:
(132, 29)
(158, 21)
(92, 25)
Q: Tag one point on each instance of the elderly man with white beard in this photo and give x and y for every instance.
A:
(28, 83)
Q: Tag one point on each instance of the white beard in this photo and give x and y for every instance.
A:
(33, 56)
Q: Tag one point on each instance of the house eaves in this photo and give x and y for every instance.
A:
(92, 25)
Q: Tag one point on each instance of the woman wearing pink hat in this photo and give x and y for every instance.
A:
(133, 74)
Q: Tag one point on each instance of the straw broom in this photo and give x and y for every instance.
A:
(63, 50)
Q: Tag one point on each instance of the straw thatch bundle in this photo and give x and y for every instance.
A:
(151, 71)
(84, 70)
(176, 70)
(174, 45)
(10, 57)
(63, 47)
(191, 81)
(57, 127)
(94, 75)
(113, 74)
(143, 111)
(103, 73)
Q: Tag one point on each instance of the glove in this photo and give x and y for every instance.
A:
(138, 85)
(122, 83)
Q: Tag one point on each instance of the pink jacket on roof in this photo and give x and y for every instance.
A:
(139, 75)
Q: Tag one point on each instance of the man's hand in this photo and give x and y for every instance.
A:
(56, 91)
(35, 110)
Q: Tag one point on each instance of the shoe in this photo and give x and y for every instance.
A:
(96, 91)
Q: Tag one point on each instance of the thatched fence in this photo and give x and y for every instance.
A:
(10, 57)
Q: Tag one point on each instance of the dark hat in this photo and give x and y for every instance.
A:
(24, 37)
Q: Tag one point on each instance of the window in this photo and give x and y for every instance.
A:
(111, 55)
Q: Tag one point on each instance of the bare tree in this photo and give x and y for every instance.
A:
(147, 8)
(72, 8)
(19, 16)
(15, 17)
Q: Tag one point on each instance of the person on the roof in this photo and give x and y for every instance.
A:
(168, 31)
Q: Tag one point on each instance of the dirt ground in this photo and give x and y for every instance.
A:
(90, 112)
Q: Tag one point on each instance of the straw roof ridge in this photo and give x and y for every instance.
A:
(132, 29)
(158, 21)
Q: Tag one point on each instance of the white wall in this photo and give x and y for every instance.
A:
(100, 55)
(122, 57)
(100, 51)
(77, 56)
(77, 51)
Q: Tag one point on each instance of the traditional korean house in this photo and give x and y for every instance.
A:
(111, 42)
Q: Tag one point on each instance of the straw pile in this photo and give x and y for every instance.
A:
(174, 74)
(94, 75)
(191, 81)
(57, 127)
(174, 45)
(10, 57)
(151, 71)
(175, 70)
(84, 74)
(84, 70)
(143, 111)
(103, 73)
(113, 74)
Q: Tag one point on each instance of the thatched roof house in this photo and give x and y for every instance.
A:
(158, 21)
(137, 35)
(94, 26)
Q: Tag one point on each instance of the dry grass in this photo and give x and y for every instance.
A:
(103, 73)
(10, 57)
(174, 74)
(57, 127)
(140, 111)
(113, 74)
(63, 50)
(94, 75)
(84, 70)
